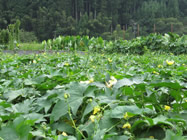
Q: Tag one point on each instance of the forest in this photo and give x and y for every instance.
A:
(45, 19)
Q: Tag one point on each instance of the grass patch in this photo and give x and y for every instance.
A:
(31, 46)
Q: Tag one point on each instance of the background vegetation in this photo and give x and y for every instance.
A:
(106, 18)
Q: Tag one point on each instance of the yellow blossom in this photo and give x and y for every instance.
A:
(91, 80)
(87, 82)
(102, 54)
(160, 66)
(109, 60)
(92, 118)
(183, 64)
(167, 108)
(156, 73)
(185, 100)
(170, 62)
(127, 125)
(66, 64)
(94, 67)
(126, 116)
(64, 134)
(34, 61)
(111, 82)
(151, 137)
(96, 109)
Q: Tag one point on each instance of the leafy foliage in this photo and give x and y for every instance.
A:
(167, 43)
(83, 96)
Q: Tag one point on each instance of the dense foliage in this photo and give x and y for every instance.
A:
(48, 18)
(168, 43)
(99, 97)
(10, 37)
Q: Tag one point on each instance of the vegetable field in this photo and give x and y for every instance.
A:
(69, 96)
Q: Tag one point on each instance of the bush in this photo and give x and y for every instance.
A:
(27, 37)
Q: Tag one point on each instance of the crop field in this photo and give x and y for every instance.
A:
(70, 96)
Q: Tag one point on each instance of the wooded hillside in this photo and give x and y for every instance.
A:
(48, 18)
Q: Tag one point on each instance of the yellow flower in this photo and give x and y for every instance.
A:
(91, 80)
(34, 61)
(185, 100)
(111, 82)
(109, 60)
(167, 108)
(102, 54)
(94, 67)
(126, 116)
(160, 66)
(96, 109)
(156, 73)
(183, 64)
(127, 125)
(66, 64)
(151, 137)
(87, 82)
(64, 134)
(170, 62)
(92, 118)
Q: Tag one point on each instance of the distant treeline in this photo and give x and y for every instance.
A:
(107, 18)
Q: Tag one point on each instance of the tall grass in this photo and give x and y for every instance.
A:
(31, 46)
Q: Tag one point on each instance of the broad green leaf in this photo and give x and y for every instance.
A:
(76, 92)
(124, 137)
(119, 111)
(9, 133)
(123, 82)
(172, 136)
(59, 110)
(99, 135)
(89, 108)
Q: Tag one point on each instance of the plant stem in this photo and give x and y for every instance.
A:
(113, 126)
(74, 126)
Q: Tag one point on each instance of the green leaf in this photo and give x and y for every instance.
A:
(172, 136)
(60, 109)
(11, 95)
(9, 133)
(119, 138)
(63, 127)
(76, 92)
(99, 134)
(170, 84)
(123, 82)
(119, 111)
(89, 108)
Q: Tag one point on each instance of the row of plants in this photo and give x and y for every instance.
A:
(9, 37)
(93, 97)
(167, 43)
